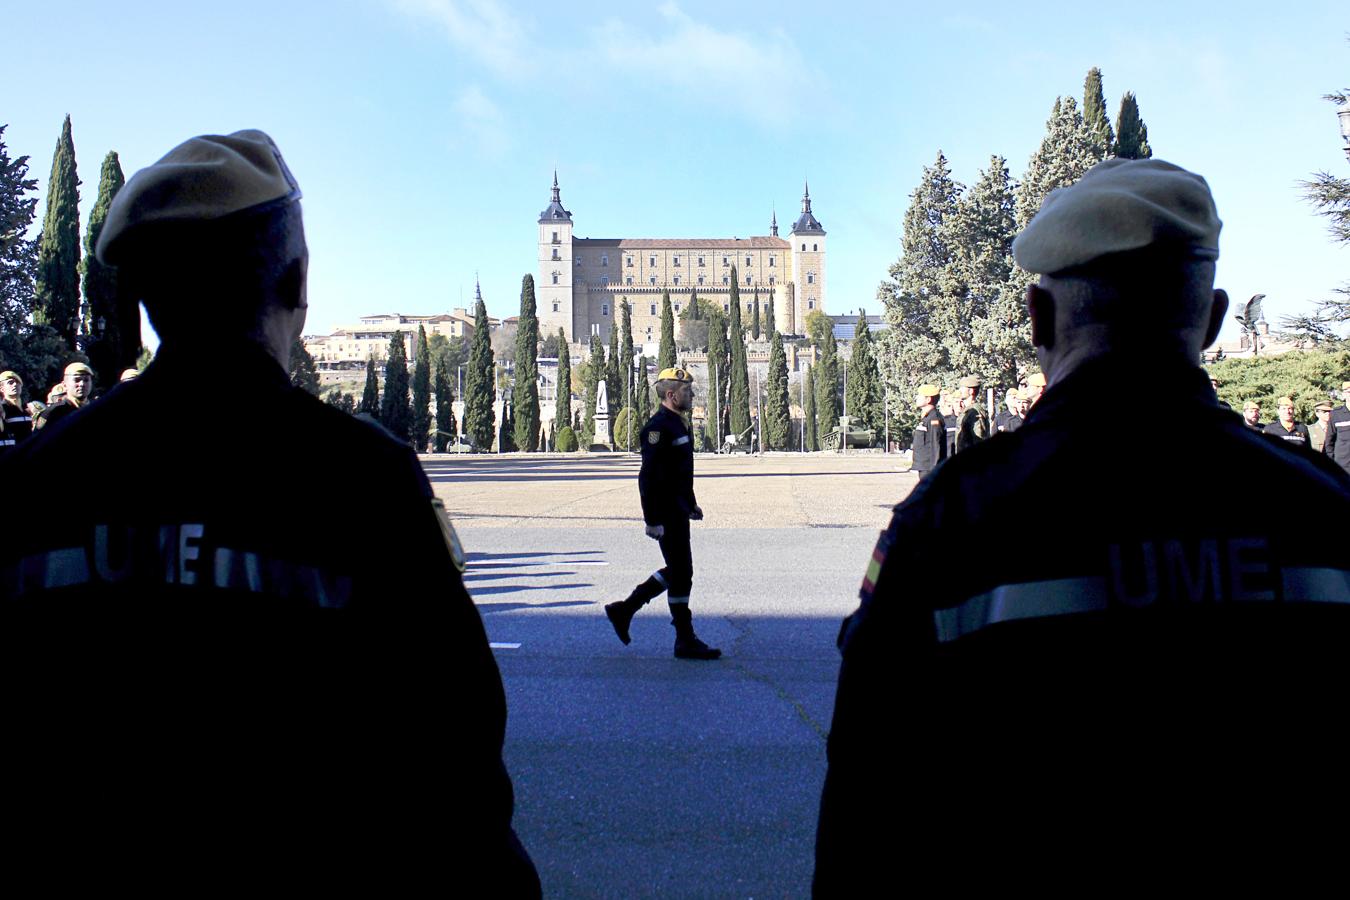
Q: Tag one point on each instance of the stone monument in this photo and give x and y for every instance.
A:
(602, 438)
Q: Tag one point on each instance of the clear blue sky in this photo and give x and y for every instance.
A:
(424, 133)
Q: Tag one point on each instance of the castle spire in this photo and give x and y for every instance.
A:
(555, 212)
(556, 198)
(477, 289)
(807, 223)
(773, 226)
(806, 196)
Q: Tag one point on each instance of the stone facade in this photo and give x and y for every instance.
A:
(582, 281)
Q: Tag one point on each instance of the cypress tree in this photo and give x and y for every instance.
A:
(592, 376)
(827, 388)
(116, 333)
(445, 408)
(626, 358)
(864, 385)
(370, 397)
(1131, 132)
(665, 356)
(58, 274)
(562, 414)
(614, 383)
(717, 376)
(777, 406)
(395, 408)
(33, 349)
(809, 410)
(1094, 114)
(527, 370)
(421, 392)
(304, 374)
(740, 373)
(754, 320)
(770, 324)
(480, 388)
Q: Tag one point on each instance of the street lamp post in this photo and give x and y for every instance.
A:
(1344, 116)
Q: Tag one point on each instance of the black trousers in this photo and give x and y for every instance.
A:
(678, 573)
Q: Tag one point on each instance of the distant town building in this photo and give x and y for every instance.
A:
(582, 281)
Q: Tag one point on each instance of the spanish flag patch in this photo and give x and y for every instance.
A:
(874, 565)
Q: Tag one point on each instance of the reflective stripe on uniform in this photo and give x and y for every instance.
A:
(677, 601)
(680, 441)
(1069, 596)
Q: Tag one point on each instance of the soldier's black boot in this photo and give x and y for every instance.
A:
(621, 614)
(687, 644)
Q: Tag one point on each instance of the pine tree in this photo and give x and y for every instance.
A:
(1131, 132)
(827, 388)
(370, 397)
(864, 383)
(562, 414)
(754, 317)
(395, 408)
(770, 323)
(480, 388)
(777, 406)
(445, 407)
(527, 370)
(58, 275)
(421, 392)
(739, 399)
(1094, 114)
(809, 410)
(116, 334)
(999, 347)
(1330, 196)
(304, 373)
(665, 356)
(1066, 152)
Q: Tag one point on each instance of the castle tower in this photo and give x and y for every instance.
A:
(808, 265)
(554, 291)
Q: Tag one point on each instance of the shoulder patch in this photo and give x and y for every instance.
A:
(654, 436)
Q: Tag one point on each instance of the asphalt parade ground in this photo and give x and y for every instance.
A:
(636, 774)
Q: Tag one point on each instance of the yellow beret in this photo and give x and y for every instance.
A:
(676, 374)
(79, 368)
(927, 390)
(1025, 393)
(10, 373)
(1284, 401)
(1251, 404)
(1036, 379)
(204, 179)
(1118, 206)
(128, 374)
(971, 381)
(1345, 385)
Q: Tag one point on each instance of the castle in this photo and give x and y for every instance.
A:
(582, 281)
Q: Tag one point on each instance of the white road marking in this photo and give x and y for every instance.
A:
(497, 645)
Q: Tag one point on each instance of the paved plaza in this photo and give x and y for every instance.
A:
(638, 775)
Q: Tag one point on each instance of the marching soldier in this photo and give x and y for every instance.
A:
(666, 484)
(1337, 443)
(973, 426)
(1285, 428)
(930, 435)
(1317, 431)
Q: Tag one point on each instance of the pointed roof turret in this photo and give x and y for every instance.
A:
(806, 222)
(773, 225)
(555, 211)
(477, 289)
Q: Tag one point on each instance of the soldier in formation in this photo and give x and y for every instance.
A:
(1286, 428)
(1337, 443)
(973, 425)
(1317, 431)
(930, 435)
(16, 419)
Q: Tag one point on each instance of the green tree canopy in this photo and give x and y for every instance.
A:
(665, 356)
(421, 392)
(1131, 132)
(395, 406)
(370, 396)
(58, 273)
(739, 400)
(562, 414)
(863, 379)
(827, 389)
(480, 387)
(1094, 114)
(304, 373)
(777, 407)
(445, 408)
(811, 440)
(527, 370)
(116, 322)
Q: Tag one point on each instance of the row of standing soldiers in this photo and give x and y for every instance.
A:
(950, 425)
(18, 419)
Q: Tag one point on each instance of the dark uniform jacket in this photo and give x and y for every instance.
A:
(951, 422)
(972, 428)
(1299, 437)
(1337, 443)
(666, 479)
(18, 425)
(1147, 673)
(55, 412)
(930, 442)
(244, 650)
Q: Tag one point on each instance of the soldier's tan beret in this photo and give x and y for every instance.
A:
(10, 373)
(1025, 393)
(128, 374)
(204, 179)
(1284, 401)
(1118, 206)
(1036, 379)
(79, 368)
(1251, 404)
(1325, 405)
(675, 374)
(927, 390)
(1345, 385)
(971, 381)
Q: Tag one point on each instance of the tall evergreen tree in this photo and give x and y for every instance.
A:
(770, 324)
(809, 411)
(626, 356)
(754, 317)
(614, 380)
(592, 375)
(864, 382)
(116, 320)
(370, 397)
(395, 407)
(1131, 132)
(739, 399)
(665, 356)
(58, 275)
(718, 365)
(999, 345)
(421, 392)
(1066, 152)
(777, 406)
(480, 388)
(1094, 114)
(526, 394)
(827, 388)
(304, 373)
(562, 414)
(1330, 196)
(445, 407)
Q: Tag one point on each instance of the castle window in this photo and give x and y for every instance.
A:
(813, 247)
(649, 332)
(700, 280)
(810, 277)
(725, 261)
(653, 312)
(771, 262)
(653, 280)
(749, 278)
(555, 237)
(770, 279)
(748, 307)
(726, 279)
(811, 304)
(555, 305)
(630, 262)
(604, 259)
(747, 259)
(700, 260)
(677, 279)
(726, 307)
(630, 279)
(677, 307)
(803, 248)
(555, 253)
(555, 277)
(604, 309)
(604, 281)
(578, 262)
(677, 260)
(652, 262)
